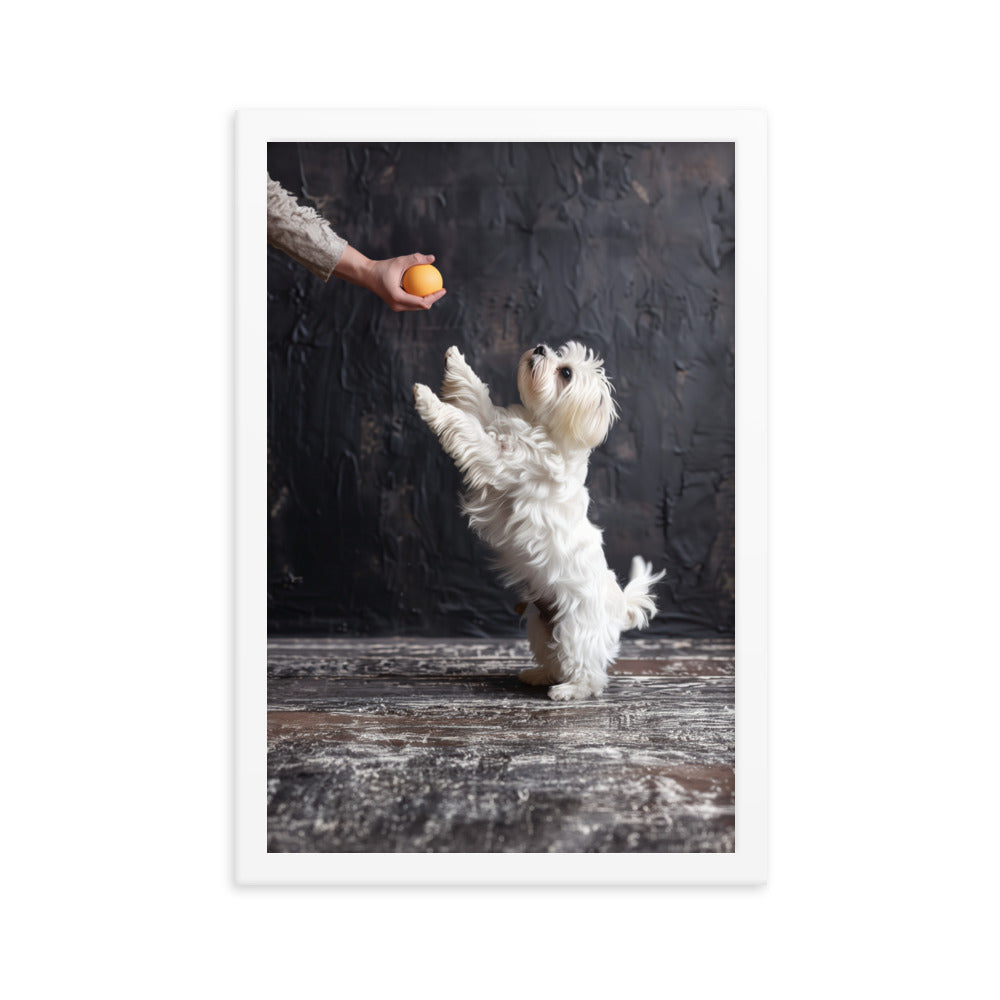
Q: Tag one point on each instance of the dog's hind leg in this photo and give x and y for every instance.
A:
(540, 640)
(584, 654)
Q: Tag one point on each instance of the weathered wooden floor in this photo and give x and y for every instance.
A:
(424, 745)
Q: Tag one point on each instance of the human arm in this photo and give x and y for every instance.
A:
(301, 233)
(307, 238)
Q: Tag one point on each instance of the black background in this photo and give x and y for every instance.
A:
(627, 248)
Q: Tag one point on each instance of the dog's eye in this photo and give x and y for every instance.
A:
(566, 373)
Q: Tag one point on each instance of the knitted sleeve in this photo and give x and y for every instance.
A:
(302, 234)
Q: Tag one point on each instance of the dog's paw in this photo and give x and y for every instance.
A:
(456, 369)
(569, 692)
(536, 675)
(424, 399)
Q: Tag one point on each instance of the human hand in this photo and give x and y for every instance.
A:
(385, 278)
(388, 281)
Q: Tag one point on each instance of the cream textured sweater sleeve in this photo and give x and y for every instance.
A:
(301, 233)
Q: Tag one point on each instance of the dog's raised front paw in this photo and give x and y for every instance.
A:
(424, 399)
(456, 369)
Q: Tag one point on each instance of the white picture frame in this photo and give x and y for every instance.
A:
(254, 129)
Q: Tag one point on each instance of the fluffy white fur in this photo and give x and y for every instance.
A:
(524, 469)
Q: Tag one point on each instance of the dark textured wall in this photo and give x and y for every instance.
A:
(628, 248)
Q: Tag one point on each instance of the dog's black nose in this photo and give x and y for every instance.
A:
(540, 349)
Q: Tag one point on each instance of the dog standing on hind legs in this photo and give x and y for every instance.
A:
(524, 469)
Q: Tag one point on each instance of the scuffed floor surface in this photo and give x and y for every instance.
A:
(425, 745)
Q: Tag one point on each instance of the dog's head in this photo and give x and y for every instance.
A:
(567, 392)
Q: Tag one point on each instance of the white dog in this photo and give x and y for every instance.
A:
(524, 470)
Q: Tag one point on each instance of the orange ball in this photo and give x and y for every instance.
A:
(422, 280)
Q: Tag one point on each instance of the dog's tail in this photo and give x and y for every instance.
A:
(640, 606)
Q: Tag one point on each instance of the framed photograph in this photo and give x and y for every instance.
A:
(501, 394)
